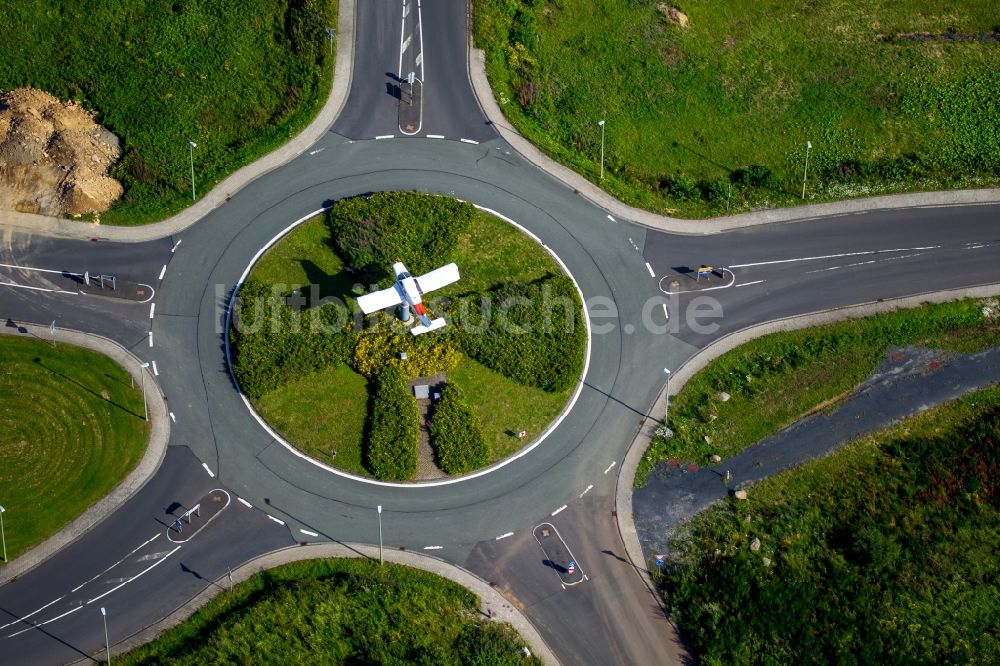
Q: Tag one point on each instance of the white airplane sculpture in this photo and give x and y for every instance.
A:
(409, 290)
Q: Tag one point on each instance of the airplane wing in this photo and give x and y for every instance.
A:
(379, 300)
(437, 278)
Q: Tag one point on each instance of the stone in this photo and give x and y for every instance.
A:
(723, 396)
(766, 561)
(708, 440)
(755, 545)
(740, 494)
(716, 458)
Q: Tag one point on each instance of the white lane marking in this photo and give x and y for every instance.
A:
(34, 612)
(613, 463)
(505, 535)
(731, 282)
(133, 552)
(39, 270)
(385, 136)
(176, 245)
(152, 292)
(150, 338)
(308, 532)
(245, 503)
(836, 256)
(974, 247)
(666, 312)
(433, 547)
(205, 465)
(144, 571)
(173, 418)
(280, 522)
(163, 271)
(152, 310)
(435, 136)
(155, 371)
(318, 150)
(746, 284)
(475, 143)
(612, 219)
(586, 490)
(42, 624)
(560, 509)
(402, 32)
(24, 286)
(406, 45)
(650, 269)
(420, 56)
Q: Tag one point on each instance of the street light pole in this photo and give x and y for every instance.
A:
(191, 146)
(601, 123)
(666, 395)
(380, 534)
(3, 535)
(107, 643)
(806, 169)
(142, 374)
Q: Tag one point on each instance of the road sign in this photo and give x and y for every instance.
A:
(659, 561)
(411, 78)
(571, 567)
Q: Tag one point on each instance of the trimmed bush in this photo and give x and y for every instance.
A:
(527, 332)
(419, 230)
(380, 346)
(457, 434)
(395, 426)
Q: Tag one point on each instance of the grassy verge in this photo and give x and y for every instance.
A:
(237, 78)
(323, 412)
(714, 117)
(884, 552)
(339, 612)
(71, 428)
(774, 380)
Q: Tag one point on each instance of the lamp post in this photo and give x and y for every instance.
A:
(666, 395)
(380, 534)
(3, 535)
(145, 411)
(806, 169)
(601, 123)
(191, 146)
(107, 643)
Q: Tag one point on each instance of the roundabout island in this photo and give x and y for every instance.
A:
(361, 395)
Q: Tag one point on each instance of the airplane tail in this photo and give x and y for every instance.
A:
(428, 326)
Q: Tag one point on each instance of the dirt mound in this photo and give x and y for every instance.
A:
(53, 157)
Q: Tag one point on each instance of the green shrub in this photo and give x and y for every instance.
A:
(395, 427)
(417, 229)
(382, 344)
(457, 434)
(527, 332)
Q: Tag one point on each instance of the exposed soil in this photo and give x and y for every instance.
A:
(54, 157)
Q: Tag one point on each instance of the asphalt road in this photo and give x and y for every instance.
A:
(610, 617)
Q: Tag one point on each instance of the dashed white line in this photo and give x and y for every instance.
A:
(152, 310)
(475, 143)
(174, 248)
(150, 338)
(307, 532)
(163, 271)
(155, 371)
(318, 150)
(385, 136)
(435, 136)
(612, 219)
(745, 284)
(155, 564)
(504, 536)
(245, 503)
(433, 547)
(280, 522)
(172, 417)
(650, 269)
(666, 312)
(205, 465)
(613, 463)
(586, 490)
(560, 509)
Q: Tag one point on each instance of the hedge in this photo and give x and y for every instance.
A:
(395, 426)
(457, 434)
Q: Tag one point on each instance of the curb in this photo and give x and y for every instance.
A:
(696, 363)
(144, 470)
(489, 596)
(217, 196)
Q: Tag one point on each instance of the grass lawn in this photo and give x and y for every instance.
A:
(339, 612)
(689, 110)
(71, 428)
(326, 411)
(773, 381)
(238, 78)
(883, 552)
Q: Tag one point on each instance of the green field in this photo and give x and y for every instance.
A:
(239, 78)
(714, 117)
(71, 429)
(339, 612)
(323, 412)
(884, 552)
(774, 380)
